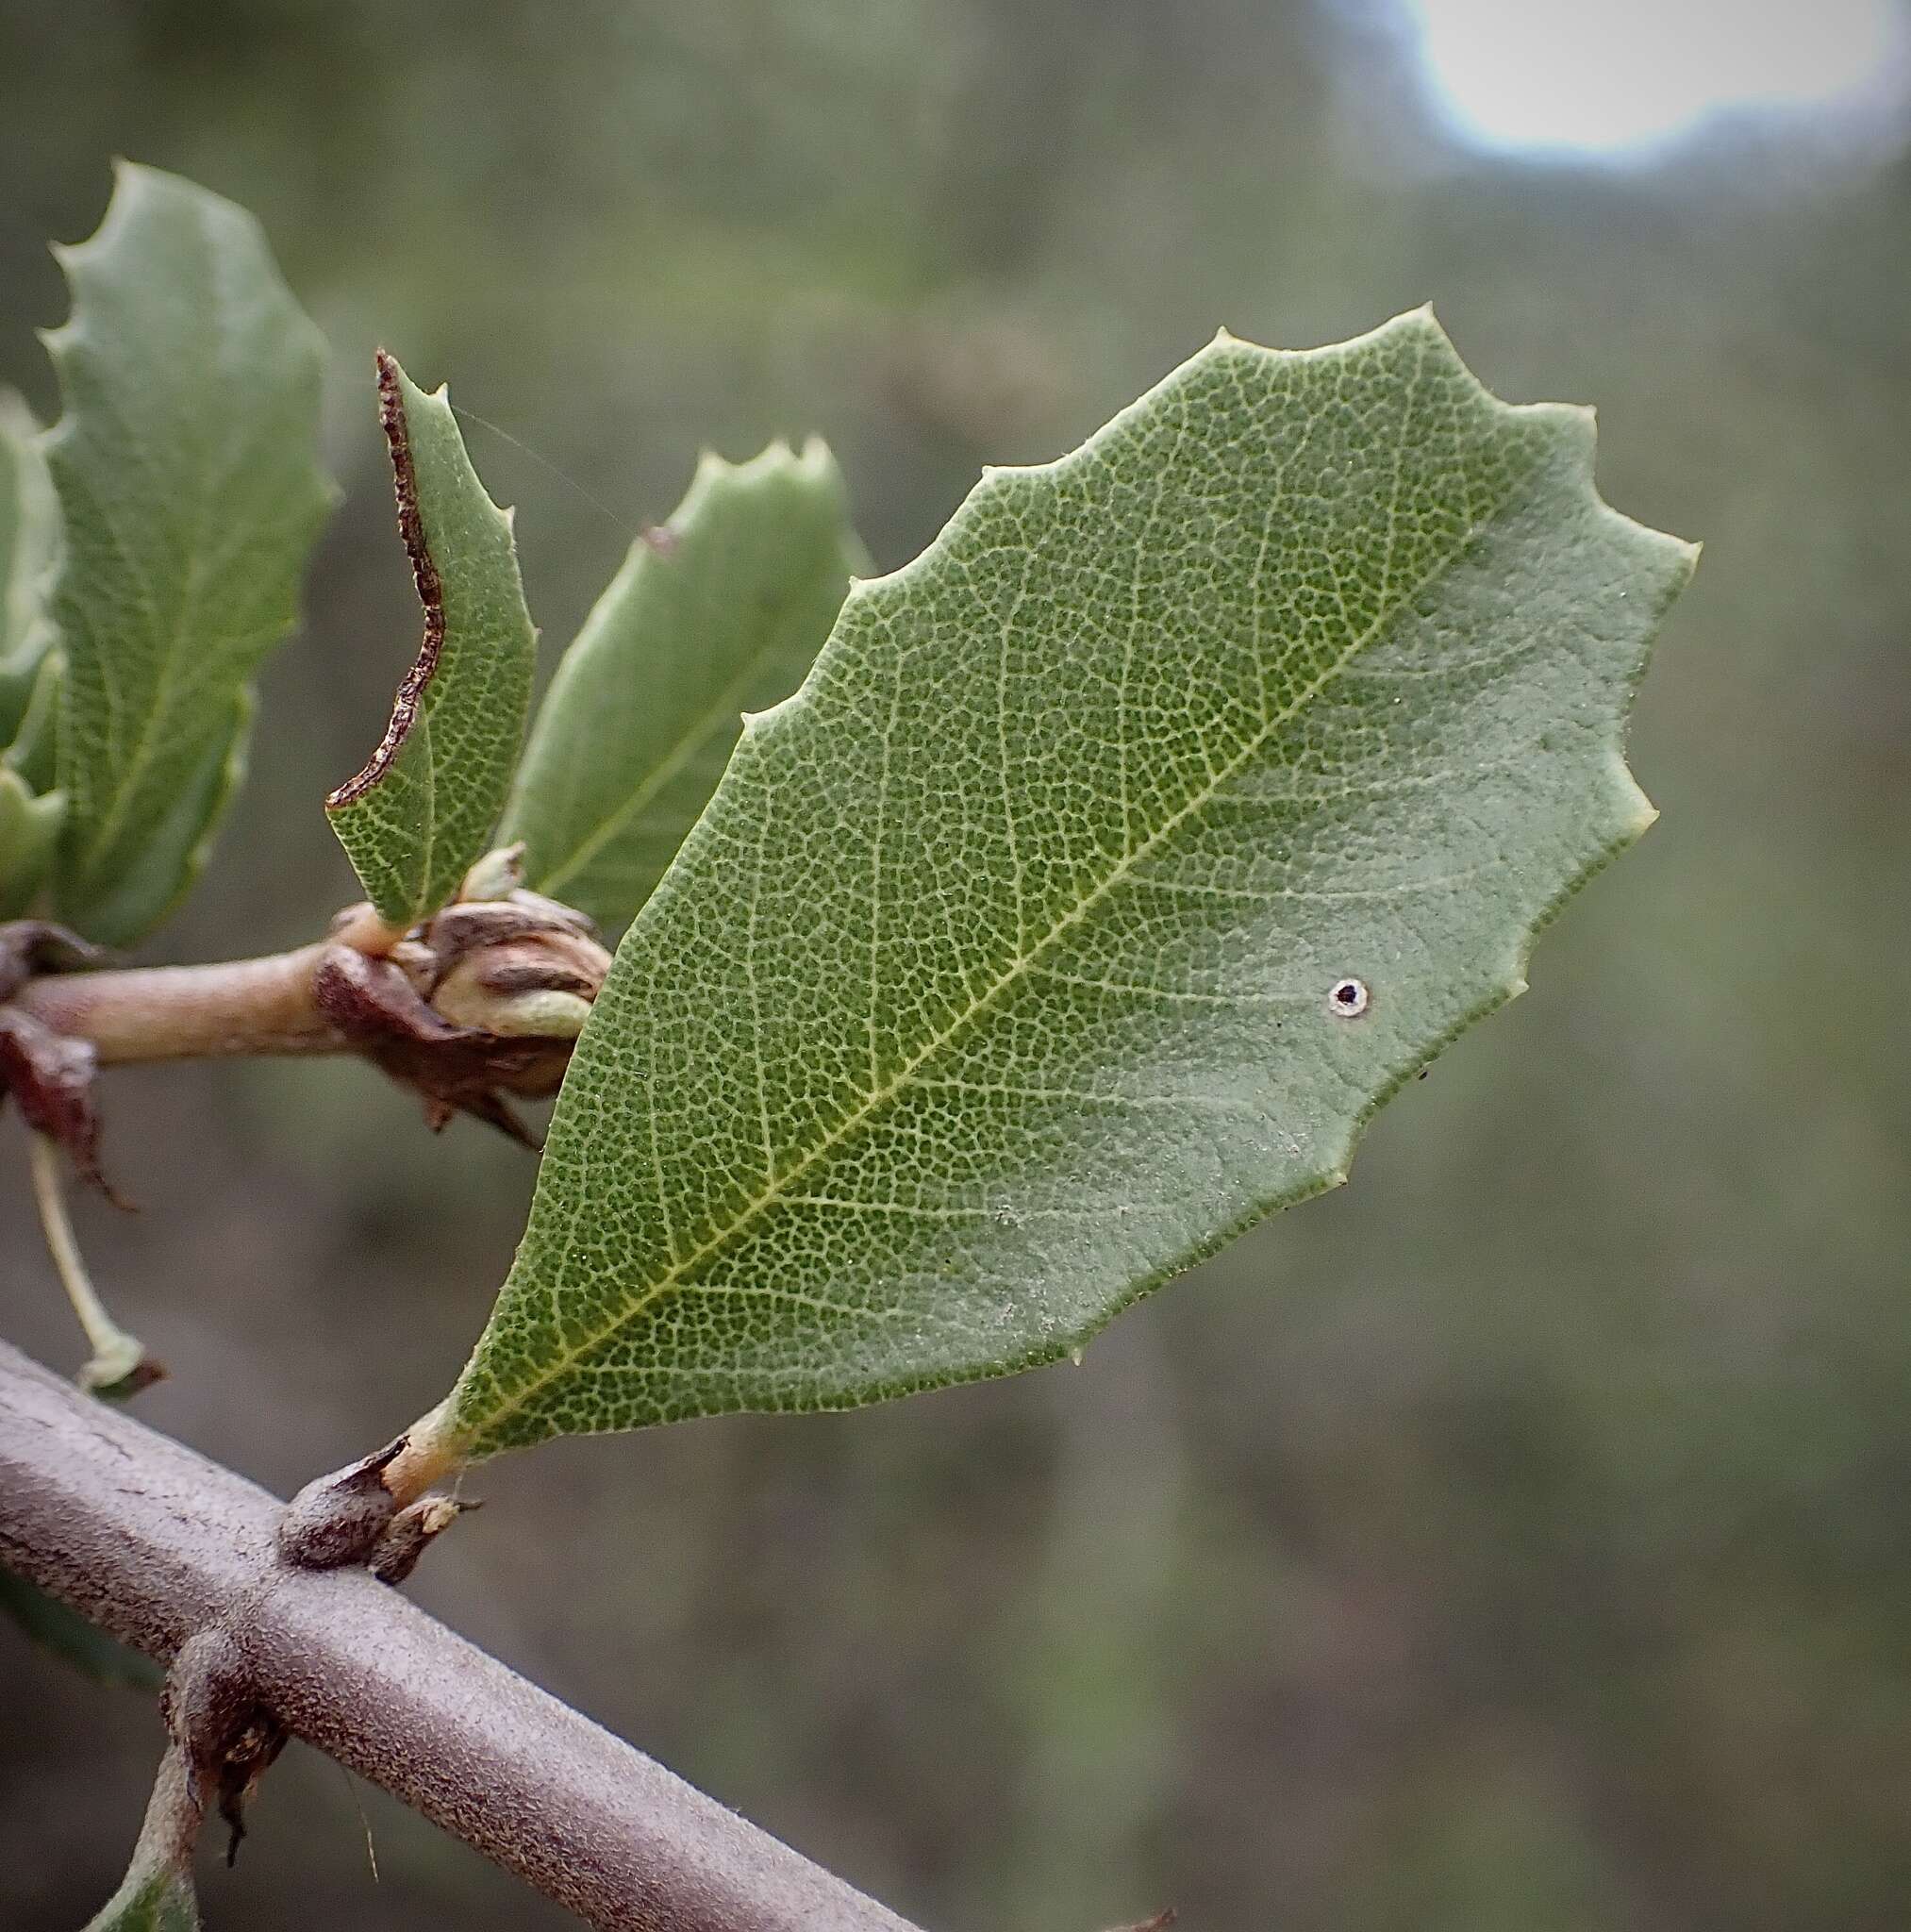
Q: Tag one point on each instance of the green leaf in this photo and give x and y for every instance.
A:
(29, 827)
(157, 1894)
(65, 1633)
(154, 1902)
(719, 612)
(421, 814)
(187, 475)
(1115, 861)
(35, 751)
(29, 546)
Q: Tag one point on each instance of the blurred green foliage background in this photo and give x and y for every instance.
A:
(1518, 1540)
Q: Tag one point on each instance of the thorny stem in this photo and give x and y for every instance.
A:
(119, 1363)
(154, 1543)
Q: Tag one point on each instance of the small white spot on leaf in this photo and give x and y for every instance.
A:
(1349, 998)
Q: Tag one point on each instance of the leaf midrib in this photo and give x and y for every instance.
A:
(880, 1097)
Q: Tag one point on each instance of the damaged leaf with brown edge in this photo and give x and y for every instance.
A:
(1115, 862)
(421, 812)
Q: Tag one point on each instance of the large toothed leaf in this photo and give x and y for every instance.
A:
(719, 612)
(417, 817)
(1117, 860)
(185, 463)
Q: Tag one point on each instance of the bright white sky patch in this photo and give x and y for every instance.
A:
(1610, 77)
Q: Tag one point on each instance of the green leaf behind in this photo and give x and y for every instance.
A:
(29, 546)
(185, 463)
(65, 1633)
(157, 1894)
(34, 750)
(719, 612)
(418, 816)
(997, 983)
(29, 827)
(153, 1902)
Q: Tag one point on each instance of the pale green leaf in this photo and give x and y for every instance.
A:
(418, 816)
(29, 546)
(1115, 861)
(28, 828)
(157, 1894)
(185, 462)
(178, 835)
(719, 612)
(34, 750)
(151, 1902)
(65, 1633)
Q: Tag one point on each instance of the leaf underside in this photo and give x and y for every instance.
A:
(421, 814)
(185, 464)
(719, 611)
(1008, 973)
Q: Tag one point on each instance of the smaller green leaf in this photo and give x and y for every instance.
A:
(719, 612)
(421, 812)
(29, 828)
(65, 1633)
(185, 462)
(180, 833)
(34, 750)
(156, 1902)
(157, 1894)
(29, 547)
